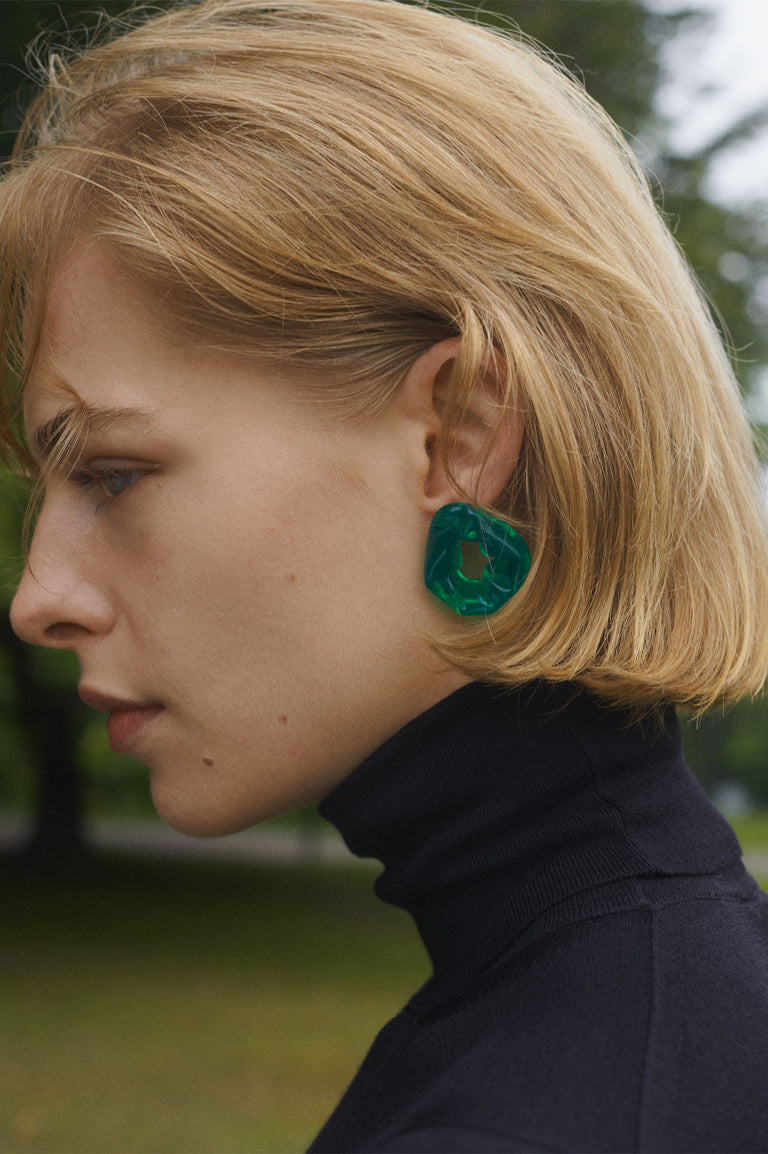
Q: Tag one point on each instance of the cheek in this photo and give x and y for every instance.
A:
(218, 575)
(270, 590)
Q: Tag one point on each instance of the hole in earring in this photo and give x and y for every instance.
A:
(473, 560)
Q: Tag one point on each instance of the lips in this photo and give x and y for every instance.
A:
(127, 719)
(125, 725)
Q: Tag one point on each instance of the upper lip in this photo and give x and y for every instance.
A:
(109, 703)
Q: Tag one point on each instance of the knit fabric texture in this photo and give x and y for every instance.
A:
(600, 955)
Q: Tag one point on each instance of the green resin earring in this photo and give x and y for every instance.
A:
(474, 562)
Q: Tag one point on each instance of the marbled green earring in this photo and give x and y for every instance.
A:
(474, 562)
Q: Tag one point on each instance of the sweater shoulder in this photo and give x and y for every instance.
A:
(612, 1033)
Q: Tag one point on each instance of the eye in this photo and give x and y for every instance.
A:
(112, 480)
(116, 481)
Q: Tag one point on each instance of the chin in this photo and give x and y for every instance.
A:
(197, 825)
(209, 816)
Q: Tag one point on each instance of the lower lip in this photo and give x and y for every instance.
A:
(124, 726)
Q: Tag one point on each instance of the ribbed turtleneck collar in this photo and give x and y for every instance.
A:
(494, 806)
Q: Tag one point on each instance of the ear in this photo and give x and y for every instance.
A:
(487, 444)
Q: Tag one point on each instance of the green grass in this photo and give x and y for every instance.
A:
(190, 1007)
(195, 1007)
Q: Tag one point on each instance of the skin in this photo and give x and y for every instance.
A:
(256, 567)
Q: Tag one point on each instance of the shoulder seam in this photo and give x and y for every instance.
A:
(534, 1146)
(644, 1085)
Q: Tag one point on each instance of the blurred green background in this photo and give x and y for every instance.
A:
(154, 1003)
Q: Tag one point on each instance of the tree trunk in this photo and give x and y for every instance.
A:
(49, 719)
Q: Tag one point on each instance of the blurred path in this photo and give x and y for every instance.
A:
(151, 839)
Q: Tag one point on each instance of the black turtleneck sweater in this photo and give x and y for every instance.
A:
(600, 955)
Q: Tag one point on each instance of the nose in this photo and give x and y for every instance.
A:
(58, 603)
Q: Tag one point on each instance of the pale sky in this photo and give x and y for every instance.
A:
(715, 78)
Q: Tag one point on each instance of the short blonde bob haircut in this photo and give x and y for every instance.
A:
(337, 185)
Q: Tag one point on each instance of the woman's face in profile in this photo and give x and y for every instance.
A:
(239, 576)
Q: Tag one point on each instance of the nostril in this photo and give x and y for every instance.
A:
(37, 622)
(58, 608)
(62, 633)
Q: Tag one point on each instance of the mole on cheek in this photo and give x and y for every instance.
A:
(282, 717)
(292, 577)
(207, 761)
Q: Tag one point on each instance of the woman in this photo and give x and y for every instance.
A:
(390, 458)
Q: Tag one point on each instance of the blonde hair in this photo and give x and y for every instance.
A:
(338, 184)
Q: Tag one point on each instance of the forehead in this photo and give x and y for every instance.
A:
(99, 344)
(101, 348)
(92, 303)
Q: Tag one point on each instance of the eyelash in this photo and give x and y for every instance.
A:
(91, 478)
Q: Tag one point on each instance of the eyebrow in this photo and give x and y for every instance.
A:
(97, 417)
